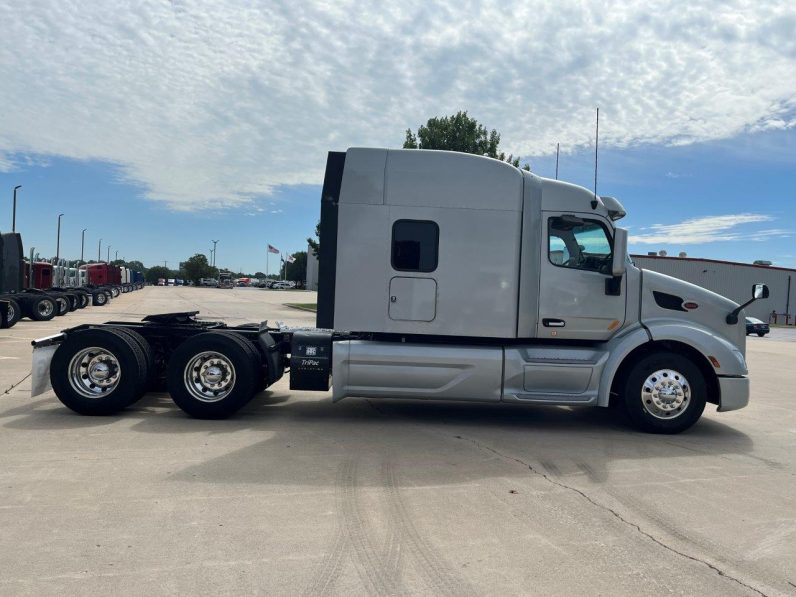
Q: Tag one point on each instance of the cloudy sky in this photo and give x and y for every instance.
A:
(161, 125)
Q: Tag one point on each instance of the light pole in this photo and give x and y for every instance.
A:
(117, 256)
(99, 251)
(14, 213)
(215, 242)
(108, 260)
(58, 241)
(82, 243)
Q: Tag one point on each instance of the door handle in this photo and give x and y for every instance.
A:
(393, 299)
(554, 323)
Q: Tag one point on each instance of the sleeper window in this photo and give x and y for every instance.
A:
(415, 245)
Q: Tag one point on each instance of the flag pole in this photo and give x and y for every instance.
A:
(267, 254)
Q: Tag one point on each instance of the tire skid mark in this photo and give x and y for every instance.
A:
(380, 576)
(332, 565)
(551, 467)
(368, 562)
(437, 573)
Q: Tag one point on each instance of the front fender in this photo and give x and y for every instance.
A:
(729, 357)
(618, 348)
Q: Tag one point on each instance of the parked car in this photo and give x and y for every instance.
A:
(755, 326)
(280, 285)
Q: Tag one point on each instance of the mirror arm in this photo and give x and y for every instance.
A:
(732, 318)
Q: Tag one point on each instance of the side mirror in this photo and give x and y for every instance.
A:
(759, 291)
(619, 264)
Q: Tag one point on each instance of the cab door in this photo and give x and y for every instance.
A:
(578, 297)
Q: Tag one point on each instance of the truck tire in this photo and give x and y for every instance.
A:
(115, 291)
(84, 300)
(74, 302)
(61, 304)
(211, 375)
(664, 392)
(254, 354)
(99, 299)
(98, 371)
(761, 334)
(41, 308)
(150, 370)
(14, 311)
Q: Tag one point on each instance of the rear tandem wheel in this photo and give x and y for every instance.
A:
(99, 371)
(212, 375)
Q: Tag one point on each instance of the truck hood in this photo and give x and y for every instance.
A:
(666, 298)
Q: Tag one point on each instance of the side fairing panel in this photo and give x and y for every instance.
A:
(402, 370)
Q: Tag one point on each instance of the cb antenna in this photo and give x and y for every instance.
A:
(596, 144)
(557, 148)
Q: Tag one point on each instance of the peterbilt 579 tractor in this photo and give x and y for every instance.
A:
(443, 276)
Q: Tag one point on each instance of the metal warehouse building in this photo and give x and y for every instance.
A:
(733, 280)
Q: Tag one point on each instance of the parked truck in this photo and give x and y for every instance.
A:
(443, 276)
(26, 289)
(225, 280)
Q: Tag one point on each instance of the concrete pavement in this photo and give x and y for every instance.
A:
(297, 496)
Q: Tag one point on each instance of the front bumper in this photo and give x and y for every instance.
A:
(734, 393)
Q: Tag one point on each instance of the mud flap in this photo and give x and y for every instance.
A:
(40, 365)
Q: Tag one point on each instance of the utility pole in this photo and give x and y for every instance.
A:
(58, 240)
(99, 251)
(14, 213)
(82, 243)
(215, 242)
(117, 256)
(108, 260)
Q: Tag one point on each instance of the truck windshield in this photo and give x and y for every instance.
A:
(579, 244)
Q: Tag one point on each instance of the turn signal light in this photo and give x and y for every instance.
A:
(715, 362)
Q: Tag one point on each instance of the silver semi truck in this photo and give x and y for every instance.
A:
(443, 276)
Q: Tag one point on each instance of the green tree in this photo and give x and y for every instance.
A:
(459, 133)
(315, 243)
(197, 267)
(297, 271)
(154, 273)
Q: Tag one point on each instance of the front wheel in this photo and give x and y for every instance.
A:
(211, 375)
(761, 334)
(664, 393)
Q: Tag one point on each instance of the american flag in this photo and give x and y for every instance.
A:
(273, 249)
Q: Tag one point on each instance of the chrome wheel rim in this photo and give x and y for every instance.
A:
(94, 372)
(45, 308)
(63, 304)
(666, 394)
(11, 312)
(209, 376)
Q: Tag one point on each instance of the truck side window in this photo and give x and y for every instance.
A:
(579, 244)
(415, 245)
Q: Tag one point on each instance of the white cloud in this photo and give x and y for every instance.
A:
(210, 104)
(708, 229)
